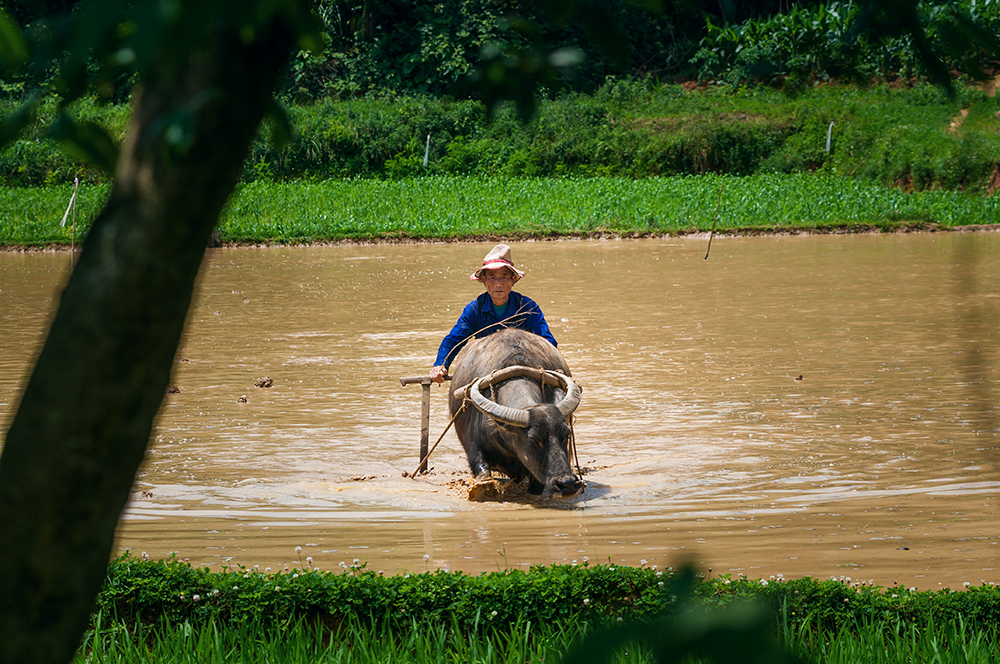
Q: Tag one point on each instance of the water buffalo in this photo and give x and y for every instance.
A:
(519, 427)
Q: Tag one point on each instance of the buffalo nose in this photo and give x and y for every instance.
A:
(570, 487)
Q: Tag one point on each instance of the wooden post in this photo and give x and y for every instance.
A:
(425, 414)
(425, 423)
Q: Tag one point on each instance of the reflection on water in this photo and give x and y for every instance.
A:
(796, 405)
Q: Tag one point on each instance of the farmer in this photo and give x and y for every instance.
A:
(497, 308)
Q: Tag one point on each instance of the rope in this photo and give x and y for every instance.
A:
(572, 444)
(493, 387)
(428, 455)
(501, 323)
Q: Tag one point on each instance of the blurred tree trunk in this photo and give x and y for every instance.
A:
(81, 429)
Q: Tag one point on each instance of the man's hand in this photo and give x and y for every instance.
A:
(438, 373)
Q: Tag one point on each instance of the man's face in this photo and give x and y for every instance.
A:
(498, 284)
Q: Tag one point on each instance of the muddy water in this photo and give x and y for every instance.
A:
(699, 440)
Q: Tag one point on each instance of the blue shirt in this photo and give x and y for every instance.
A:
(478, 320)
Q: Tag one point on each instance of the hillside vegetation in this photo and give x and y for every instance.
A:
(912, 137)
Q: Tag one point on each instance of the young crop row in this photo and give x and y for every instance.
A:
(440, 207)
(448, 207)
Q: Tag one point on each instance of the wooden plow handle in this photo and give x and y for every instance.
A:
(425, 414)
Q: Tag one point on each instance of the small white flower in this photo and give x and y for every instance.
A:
(196, 597)
(426, 557)
(356, 561)
(642, 563)
(966, 584)
(727, 581)
(586, 602)
(494, 614)
(298, 549)
(295, 576)
(763, 582)
(660, 584)
(658, 573)
(620, 619)
(574, 562)
(236, 587)
(912, 588)
(309, 560)
(267, 569)
(215, 592)
(277, 589)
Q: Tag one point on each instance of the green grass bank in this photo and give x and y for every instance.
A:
(157, 610)
(454, 208)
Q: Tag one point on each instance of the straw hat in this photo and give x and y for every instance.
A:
(498, 257)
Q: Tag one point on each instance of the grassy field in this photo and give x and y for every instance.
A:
(441, 207)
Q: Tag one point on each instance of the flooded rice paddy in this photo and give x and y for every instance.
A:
(795, 405)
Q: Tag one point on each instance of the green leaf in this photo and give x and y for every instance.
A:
(13, 50)
(605, 32)
(13, 125)
(86, 141)
(281, 127)
(559, 11)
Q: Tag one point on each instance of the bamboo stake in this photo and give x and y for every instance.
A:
(72, 246)
(714, 219)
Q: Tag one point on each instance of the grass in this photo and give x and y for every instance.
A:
(301, 643)
(33, 215)
(440, 207)
(890, 642)
(886, 641)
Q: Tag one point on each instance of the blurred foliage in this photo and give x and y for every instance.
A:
(511, 49)
(53, 54)
(378, 77)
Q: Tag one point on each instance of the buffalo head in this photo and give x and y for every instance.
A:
(538, 434)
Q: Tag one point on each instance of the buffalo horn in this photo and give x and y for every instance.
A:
(513, 416)
(569, 402)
